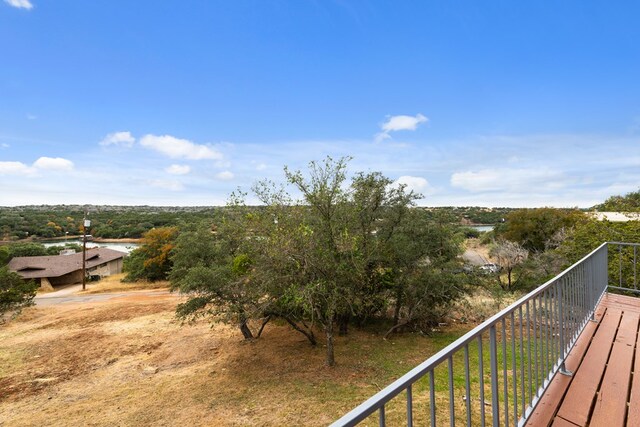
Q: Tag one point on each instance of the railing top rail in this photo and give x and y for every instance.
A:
(377, 400)
(623, 243)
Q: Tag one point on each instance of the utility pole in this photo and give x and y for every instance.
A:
(85, 224)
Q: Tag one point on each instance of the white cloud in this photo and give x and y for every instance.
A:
(379, 137)
(416, 184)
(20, 4)
(178, 169)
(401, 122)
(395, 123)
(31, 116)
(166, 184)
(261, 166)
(15, 168)
(506, 179)
(225, 176)
(177, 148)
(124, 139)
(5, 145)
(53, 164)
(43, 163)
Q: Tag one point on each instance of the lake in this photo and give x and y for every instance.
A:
(482, 228)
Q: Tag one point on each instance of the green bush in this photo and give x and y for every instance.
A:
(15, 293)
(470, 232)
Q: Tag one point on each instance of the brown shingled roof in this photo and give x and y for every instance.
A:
(35, 267)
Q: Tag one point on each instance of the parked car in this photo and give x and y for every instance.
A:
(490, 268)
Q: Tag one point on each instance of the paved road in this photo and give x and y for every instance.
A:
(69, 295)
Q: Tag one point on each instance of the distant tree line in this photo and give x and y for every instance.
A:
(106, 221)
(114, 222)
(470, 214)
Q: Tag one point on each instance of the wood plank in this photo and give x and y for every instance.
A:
(546, 409)
(633, 419)
(624, 298)
(579, 398)
(625, 302)
(611, 404)
(622, 307)
(561, 422)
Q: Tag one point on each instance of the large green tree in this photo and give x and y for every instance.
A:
(346, 250)
(151, 261)
(538, 229)
(215, 268)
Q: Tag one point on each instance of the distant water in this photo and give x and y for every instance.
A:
(122, 247)
(482, 227)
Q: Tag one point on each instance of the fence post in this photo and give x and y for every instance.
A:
(619, 265)
(591, 286)
(493, 360)
(563, 369)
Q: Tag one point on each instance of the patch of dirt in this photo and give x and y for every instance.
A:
(114, 283)
(127, 361)
(111, 313)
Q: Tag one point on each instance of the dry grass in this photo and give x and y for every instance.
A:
(114, 283)
(126, 361)
(481, 304)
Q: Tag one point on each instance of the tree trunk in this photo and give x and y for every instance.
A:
(501, 283)
(308, 334)
(246, 332)
(396, 311)
(394, 328)
(331, 361)
(264, 323)
(509, 278)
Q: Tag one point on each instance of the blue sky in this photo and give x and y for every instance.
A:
(493, 103)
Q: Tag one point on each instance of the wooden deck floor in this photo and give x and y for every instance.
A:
(605, 387)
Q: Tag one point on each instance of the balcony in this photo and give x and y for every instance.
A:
(563, 355)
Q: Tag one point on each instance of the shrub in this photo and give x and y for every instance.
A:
(15, 293)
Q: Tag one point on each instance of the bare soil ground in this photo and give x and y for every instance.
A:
(114, 283)
(128, 362)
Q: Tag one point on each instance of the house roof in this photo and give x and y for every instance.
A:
(615, 216)
(35, 267)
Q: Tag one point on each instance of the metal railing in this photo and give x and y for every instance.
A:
(624, 276)
(496, 373)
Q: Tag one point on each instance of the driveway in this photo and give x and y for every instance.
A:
(473, 257)
(69, 295)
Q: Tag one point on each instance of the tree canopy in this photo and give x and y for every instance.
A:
(348, 250)
(151, 261)
(536, 229)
